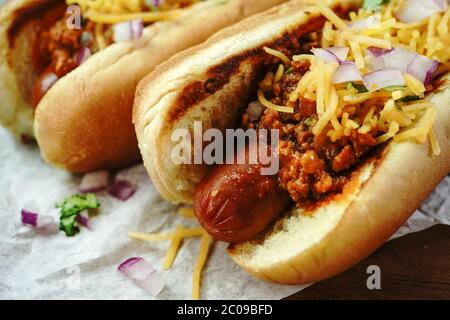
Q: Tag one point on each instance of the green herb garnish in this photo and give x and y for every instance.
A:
(289, 71)
(395, 88)
(71, 207)
(359, 87)
(409, 99)
(374, 4)
(310, 121)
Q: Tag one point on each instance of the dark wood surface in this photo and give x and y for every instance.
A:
(416, 266)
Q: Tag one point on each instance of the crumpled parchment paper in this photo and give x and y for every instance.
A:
(34, 266)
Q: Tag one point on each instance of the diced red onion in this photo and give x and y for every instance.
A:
(441, 3)
(83, 219)
(340, 52)
(130, 30)
(94, 182)
(143, 275)
(383, 78)
(369, 22)
(154, 3)
(423, 68)
(346, 72)
(377, 52)
(83, 55)
(35, 220)
(122, 190)
(154, 284)
(137, 28)
(29, 218)
(418, 10)
(48, 81)
(399, 59)
(255, 110)
(325, 55)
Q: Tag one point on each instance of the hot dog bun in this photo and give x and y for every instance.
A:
(299, 248)
(84, 122)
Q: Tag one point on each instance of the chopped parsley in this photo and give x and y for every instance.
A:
(395, 88)
(374, 4)
(289, 71)
(71, 207)
(359, 87)
(310, 121)
(409, 99)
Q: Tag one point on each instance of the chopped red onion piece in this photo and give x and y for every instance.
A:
(154, 284)
(83, 219)
(48, 81)
(94, 182)
(35, 220)
(369, 22)
(441, 3)
(255, 110)
(29, 218)
(399, 59)
(346, 72)
(340, 52)
(122, 190)
(143, 275)
(83, 55)
(130, 30)
(377, 52)
(383, 78)
(418, 10)
(325, 55)
(137, 28)
(423, 68)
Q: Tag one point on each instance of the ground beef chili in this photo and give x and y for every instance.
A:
(311, 167)
(60, 48)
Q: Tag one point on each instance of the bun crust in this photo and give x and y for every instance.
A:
(302, 247)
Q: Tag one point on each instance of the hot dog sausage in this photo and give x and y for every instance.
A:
(235, 202)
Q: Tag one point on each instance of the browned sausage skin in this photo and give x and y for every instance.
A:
(235, 202)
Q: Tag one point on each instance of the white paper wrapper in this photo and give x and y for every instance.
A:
(35, 266)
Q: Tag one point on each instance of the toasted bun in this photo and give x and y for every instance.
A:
(84, 122)
(302, 247)
(20, 23)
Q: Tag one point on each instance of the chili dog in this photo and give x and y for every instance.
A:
(360, 97)
(78, 81)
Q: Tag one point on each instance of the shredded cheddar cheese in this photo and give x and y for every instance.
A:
(196, 278)
(187, 213)
(176, 238)
(279, 55)
(394, 114)
(414, 84)
(266, 103)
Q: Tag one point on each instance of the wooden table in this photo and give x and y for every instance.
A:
(416, 266)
